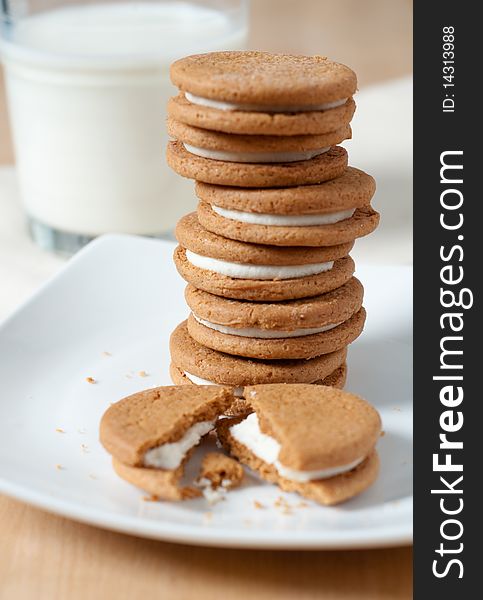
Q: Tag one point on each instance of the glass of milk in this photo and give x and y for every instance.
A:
(87, 85)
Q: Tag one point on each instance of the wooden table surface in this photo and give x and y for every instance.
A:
(43, 556)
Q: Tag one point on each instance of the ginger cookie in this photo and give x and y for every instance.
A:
(261, 78)
(323, 167)
(336, 379)
(314, 440)
(352, 189)
(289, 315)
(262, 93)
(235, 269)
(277, 330)
(329, 229)
(320, 340)
(333, 212)
(200, 363)
(151, 434)
(223, 117)
(215, 145)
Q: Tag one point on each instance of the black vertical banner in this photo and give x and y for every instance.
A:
(448, 268)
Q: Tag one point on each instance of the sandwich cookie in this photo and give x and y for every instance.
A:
(235, 269)
(333, 212)
(353, 189)
(336, 379)
(200, 364)
(151, 434)
(289, 329)
(325, 166)
(263, 93)
(215, 145)
(232, 118)
(313, 440)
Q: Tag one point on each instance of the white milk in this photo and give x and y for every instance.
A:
(88, 87)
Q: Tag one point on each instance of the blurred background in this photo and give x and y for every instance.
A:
(373, 37)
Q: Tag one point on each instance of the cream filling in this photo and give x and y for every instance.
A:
(265, 447)
(237, 391)
(220, 105)
(283, 220)
(254, 332)
(246, 271)
(255, 157)
(170, 456)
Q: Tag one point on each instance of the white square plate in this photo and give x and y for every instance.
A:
(121, 295)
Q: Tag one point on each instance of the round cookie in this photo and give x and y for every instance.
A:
(323, 439)
(362, 222)
(205, 139)
(352, 189)
(145, 421)
(305, 346)
(194, 237)
(264, 290)
(333, 307)
(257, 272)
(258, 122)
(193, 358)
(250, 77)
(281, 330)
(322, 167)
(336, 379)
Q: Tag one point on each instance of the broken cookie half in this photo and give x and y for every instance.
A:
(315, 440)
(151, 435)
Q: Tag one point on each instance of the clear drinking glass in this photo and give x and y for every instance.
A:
(87, 85)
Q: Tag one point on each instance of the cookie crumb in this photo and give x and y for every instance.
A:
(105, 353)
(91, 380)
(218, 474)
(302, 505)
(143, 374)
(383, 433)
(151, 498)
(283, 505)
(258, 504)
(208, 516)
(221, 470)
(59, 430)
(59, 467)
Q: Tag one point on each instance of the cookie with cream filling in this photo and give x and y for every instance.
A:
(239, 270)
(322, 167)
(269, 330)
(151, 434)
(215, 145)
(234, 118)
(314, 440)
(199, 362)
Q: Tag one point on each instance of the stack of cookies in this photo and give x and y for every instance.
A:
(271, 288)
